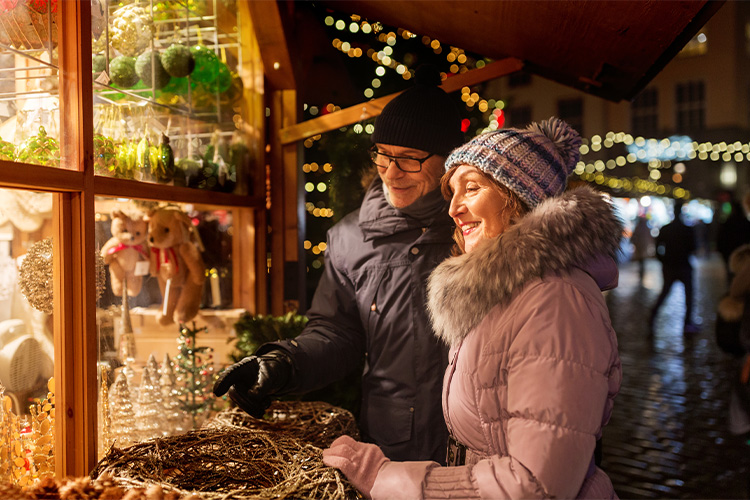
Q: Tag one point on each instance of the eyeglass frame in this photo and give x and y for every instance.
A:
(373, 151)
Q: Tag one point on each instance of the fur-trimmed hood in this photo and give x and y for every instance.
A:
(574, 229)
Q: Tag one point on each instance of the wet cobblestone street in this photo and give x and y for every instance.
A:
(668, 436)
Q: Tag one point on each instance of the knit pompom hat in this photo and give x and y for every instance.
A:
(422, 117)
(533, 163)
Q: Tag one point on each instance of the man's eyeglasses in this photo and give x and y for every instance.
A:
(404, 163)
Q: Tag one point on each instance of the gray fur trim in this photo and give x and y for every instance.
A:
(558, 234)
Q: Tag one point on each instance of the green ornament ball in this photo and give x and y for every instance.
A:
(148, 67)
(223, 80)
(206, 64)
(122, 71)
(177, 86)
(177, 60)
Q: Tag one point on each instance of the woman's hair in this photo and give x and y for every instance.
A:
(513, 203)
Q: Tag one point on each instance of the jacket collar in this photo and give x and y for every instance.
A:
(576, 229)
(378, 218)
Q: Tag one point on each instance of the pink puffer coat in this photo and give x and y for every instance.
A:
(534, 362)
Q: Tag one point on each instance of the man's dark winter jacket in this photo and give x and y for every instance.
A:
(371, 302)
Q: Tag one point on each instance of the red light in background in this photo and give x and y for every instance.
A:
(465, 124)
(500, 115)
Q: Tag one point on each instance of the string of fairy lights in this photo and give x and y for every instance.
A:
(658, 154)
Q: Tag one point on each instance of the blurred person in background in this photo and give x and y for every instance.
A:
(675, 244)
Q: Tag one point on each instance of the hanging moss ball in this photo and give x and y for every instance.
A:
(206, 64)
(177, 60)
(98, 63)
(122, 71)
(147, 67)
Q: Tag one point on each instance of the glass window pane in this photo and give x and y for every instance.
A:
(29, 105)
(26, 337)
(157, 348)
(167, 95)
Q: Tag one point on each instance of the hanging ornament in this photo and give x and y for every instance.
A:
(206, 64)
(132, 29)
(101, 277)
(40, 149)
(223, 80)
(35, 276)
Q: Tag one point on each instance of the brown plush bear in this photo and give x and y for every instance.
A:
(177, 263)
(125, 250)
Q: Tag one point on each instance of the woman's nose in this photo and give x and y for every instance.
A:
(456, 207)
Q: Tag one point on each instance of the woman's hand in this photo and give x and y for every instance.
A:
(359, 462)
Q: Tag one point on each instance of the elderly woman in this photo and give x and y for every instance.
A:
(534, 365)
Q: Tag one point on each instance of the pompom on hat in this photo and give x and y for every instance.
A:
(534, 163)
(422, 117)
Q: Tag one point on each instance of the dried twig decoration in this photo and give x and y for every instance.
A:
(313, 422)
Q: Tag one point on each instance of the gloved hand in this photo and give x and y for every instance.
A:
(251, 381)
(359, 462)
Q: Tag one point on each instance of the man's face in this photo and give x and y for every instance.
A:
(404, 188)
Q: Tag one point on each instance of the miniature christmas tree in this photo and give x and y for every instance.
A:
(154, 372)
(123, 430)
(195, 374)
(149, 410)
(174, 416)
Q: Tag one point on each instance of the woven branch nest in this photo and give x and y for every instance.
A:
(236, 456)
(313, 422)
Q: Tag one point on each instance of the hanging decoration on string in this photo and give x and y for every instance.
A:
(36, 280)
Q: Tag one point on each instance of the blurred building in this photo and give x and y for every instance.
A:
(693, 119)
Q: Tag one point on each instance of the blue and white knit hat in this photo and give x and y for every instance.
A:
(533, 163)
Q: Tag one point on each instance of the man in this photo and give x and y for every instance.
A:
(371, 300)
(674, 245)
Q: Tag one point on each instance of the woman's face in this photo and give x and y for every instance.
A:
(478, 206)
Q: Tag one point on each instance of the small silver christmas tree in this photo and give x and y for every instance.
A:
(122, 417)
(149, 411)
(174, 416)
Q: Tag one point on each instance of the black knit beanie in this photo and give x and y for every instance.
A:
(422, 117)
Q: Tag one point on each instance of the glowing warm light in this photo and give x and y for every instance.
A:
(676, 178)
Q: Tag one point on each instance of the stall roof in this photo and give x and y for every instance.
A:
(611, 49)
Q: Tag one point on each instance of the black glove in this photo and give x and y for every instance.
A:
(253, 380)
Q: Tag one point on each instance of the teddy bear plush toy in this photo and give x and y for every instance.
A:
(177, 263)
(126, 253)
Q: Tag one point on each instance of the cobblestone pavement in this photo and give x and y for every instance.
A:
(668, 436)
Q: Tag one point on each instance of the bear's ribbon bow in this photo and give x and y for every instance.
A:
(167, 252)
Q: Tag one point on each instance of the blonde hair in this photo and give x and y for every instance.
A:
(513, 204)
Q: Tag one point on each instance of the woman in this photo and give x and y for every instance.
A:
(533, 365)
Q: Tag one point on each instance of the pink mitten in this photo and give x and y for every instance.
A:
(359, 462)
